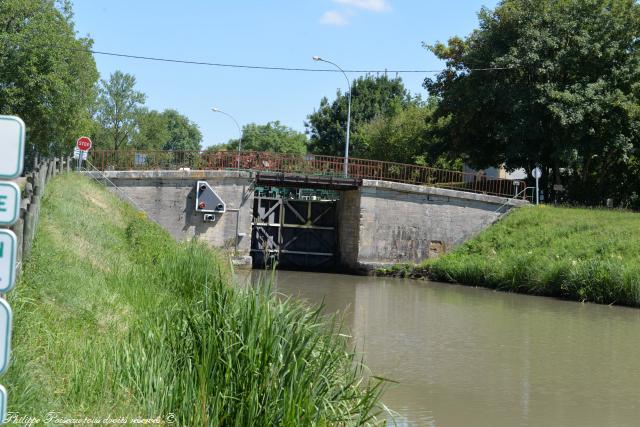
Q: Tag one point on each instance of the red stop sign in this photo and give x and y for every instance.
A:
(83, 143)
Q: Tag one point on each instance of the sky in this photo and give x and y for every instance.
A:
(355, 34)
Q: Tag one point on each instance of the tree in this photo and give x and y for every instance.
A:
(47, 76)
(183, 133)
(167, 130)
(371, 97)
(118, 105)
(563, 94)
(407, 136)
(273, 136)
(153, 131)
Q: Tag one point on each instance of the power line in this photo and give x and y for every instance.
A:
(263, 67)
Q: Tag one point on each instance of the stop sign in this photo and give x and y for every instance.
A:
(83, 143)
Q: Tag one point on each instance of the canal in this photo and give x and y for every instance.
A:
(471, 356)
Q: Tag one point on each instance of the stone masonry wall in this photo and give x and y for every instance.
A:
(381, 223)
(168, 198)
(349, 227)
(409, 223)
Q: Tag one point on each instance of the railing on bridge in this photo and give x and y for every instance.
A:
(305, 164)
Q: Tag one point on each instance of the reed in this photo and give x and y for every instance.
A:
(114, 318)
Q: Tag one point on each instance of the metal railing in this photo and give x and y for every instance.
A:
(305, 164)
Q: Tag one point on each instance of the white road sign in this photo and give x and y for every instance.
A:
(77, 153)
(537, 173)
(9, 203)
(12, 137)
(3, 404)
(8, 246)
(6, 318)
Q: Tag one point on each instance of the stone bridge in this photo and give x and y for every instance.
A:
(351, 228)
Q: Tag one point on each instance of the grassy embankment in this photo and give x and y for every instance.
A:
(580, 254)
(113, 318)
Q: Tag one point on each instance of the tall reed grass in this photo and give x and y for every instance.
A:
(229, 356)
(114, 318)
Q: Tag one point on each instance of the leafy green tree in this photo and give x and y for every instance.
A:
(47, 75)
(370, 97)
(408, 136)
(152, 130)
(167, 130)
(564, 92)
(183, 133)
(118, 107)
(273, 136)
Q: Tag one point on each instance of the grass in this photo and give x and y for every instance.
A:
(114, 318)
(580, 254)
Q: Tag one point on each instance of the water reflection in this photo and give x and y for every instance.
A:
(466, 356)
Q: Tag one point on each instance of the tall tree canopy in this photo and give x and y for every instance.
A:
(407, 136)
(564, 93)
(47, 75)
(167, 130)
(118, 106)
(153, 131)
(183, 133)
(370, 97)
(273, 136)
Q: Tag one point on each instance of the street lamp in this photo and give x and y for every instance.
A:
(346, 148)
(217, 110)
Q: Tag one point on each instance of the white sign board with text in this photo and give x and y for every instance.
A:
(6, 318)
(8, 246)
(3, 404)
(9, 203)
(12, 137)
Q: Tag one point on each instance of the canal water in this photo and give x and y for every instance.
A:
(466, 356)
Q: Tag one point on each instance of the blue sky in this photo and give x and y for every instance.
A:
(356, 34)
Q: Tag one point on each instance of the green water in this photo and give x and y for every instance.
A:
(473, 357)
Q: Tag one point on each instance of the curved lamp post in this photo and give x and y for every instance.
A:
(346, 148)
(217, 110)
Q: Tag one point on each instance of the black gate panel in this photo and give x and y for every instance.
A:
(294, 234)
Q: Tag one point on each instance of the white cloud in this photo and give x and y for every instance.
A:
(372, 5)
(333, 17)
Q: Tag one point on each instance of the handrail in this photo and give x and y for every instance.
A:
(309, 164)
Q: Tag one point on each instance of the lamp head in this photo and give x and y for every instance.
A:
(317, 58)
(215, 110)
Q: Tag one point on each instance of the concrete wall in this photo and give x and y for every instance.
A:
(168, 198)
(386, 223)
(381, 223)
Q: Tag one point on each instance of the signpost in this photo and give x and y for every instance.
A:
(9, 203)
(12, 140)
(83, 145)
(6, 318)
(3, 404)
(12, 135)
(537, 173)
(8, 246)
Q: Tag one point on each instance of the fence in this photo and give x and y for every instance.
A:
(305, 164)
(32, 186)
